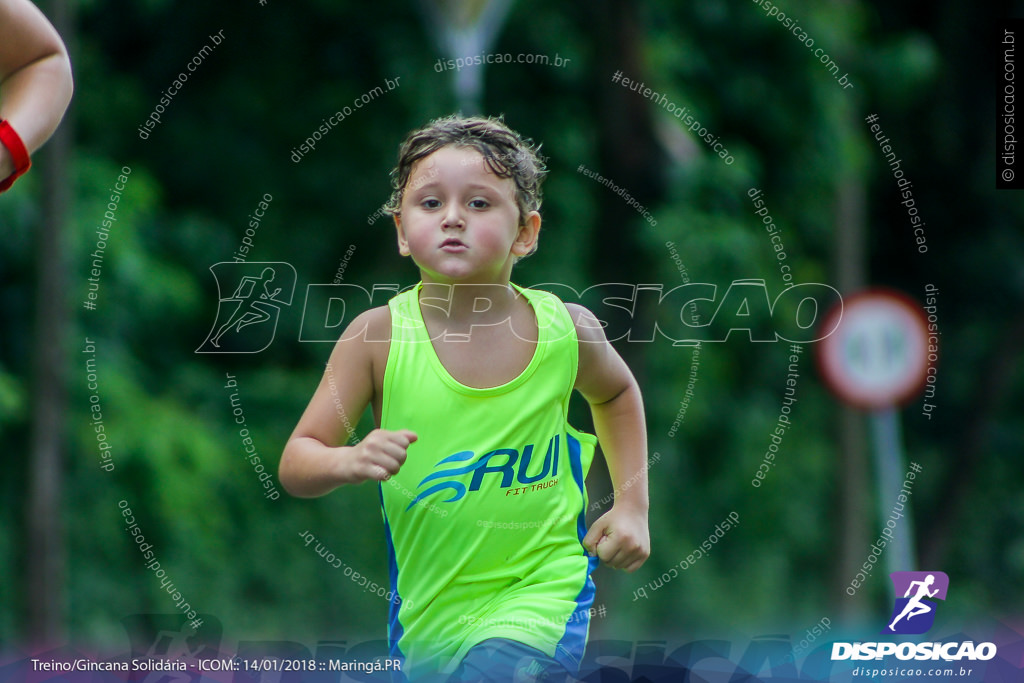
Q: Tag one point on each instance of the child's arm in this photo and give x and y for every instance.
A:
(35, 76)
(620, 536)
(313, 463)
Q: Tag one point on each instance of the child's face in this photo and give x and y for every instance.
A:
(460, 222)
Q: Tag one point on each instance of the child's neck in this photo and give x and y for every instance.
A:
(468, 304)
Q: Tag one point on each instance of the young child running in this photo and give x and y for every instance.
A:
(469, 378)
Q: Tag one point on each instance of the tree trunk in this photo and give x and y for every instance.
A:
(850, 270)
(46, 603)
(628, 154)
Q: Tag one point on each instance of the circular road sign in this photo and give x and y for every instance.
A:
(877, 357)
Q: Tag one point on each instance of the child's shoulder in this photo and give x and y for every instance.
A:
(373, 324)
(583, 320)
(365, 343)
(588, 327)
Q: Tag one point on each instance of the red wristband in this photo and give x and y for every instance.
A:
(9, 138)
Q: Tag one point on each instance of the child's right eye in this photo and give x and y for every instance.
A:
(430, 203)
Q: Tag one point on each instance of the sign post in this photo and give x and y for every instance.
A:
(876, 360)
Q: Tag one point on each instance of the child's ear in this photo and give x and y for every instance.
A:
(529, 232)
(403, 244)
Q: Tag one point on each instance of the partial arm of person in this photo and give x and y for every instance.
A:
(620, 537)
(314, 461)
(35, 77)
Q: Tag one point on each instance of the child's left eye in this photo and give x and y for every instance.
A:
(479, 204)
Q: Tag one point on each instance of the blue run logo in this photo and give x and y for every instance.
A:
(499, 461)
(914, 613)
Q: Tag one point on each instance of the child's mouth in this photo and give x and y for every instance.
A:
(453, 246)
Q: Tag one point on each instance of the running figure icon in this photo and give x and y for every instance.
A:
(259, 291)
(915, 606)
(921, 591)
(251, 307)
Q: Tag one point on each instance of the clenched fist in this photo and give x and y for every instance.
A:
(380, 455)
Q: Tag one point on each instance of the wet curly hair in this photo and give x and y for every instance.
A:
(506, 153)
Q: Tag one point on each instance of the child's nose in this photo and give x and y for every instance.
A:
(453, 217)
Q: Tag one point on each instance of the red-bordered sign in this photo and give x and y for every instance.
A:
(877, 357)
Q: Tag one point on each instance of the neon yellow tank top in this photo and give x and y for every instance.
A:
(485, 519)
